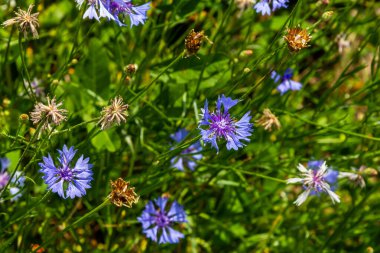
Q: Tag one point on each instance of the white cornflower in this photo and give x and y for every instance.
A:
(313, 180)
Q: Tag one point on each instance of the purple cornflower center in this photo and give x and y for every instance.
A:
(317, 181)
(117, 8)
(65, 173)
(221, 124)
(162, 220)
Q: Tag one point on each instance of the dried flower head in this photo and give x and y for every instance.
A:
(131, 68)
(114, 113)
(193, 42)
(122, 194)
(244, 4)
(297, 38)
(50, 113)
(26, 21)
(268, 120)
(357, 176)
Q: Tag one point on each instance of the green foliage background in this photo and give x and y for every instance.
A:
(236, 201)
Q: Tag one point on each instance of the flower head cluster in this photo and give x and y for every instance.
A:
(268, 120)
(65, 179)
(313, 180)
(286, 83)
(220, 124)
(297, 38)
(49, 114)
(157, 221)
(114, 113)
(122, 194)
(265, 7)
(193, 42)
(16, 183)
(116, 9)
(26, 21)
(188, 156)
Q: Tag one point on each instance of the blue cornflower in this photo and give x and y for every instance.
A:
(220, 124)
(157, 222)
(4, 176)
(64, 179)
(16, 183)
(264, 7)
(286, 83)
(113, 9)
(330, 177)
(181, 161)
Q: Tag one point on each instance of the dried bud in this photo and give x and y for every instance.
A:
(122, 194)
(74, 61)
(268, 120)
(24, 117)
(247, 70)
(131, 68)
(6, 102)
(26, 21)
(193, 42)
(297, 38)
(327, 15)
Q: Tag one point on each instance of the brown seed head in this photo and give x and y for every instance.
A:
(114, 113)
(122, 194)
(193, 42)
(268, 120)
(297, 38)
(50, 113)
(26, 21)
(131, 68)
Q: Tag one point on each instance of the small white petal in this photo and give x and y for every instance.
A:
(334, 197)
(302, 168)
(294, 180)
(302, 198)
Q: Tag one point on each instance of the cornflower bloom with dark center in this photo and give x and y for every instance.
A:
(67, 179)
(17, 181)
(297, 38)
(221, 125)
(114, 113)
(122, 194)
(157, 222)
(313, 180)
(265, 8)
(114, 9)
(268, 120)
(286, 83)
(187, 156)
(26, 21)
(50, 113)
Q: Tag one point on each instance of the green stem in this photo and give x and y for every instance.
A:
(73, 127)
(25, 68)
(156, 78)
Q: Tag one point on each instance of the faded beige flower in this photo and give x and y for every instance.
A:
(193, 42)
(50, 113)
(268, 120)
(297, 38)
(26, 21)
(357, 176)
(114, 113)
(342, 42)
(244, 4)
(122, 194)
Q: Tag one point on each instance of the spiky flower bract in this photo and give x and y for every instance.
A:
(122, 194)
(268, 120)
(188, 157)
(67, 179)
(286, 83)
(114, 113)
(26, 21)
(221, 125)
(49, 114)
(297, 39)
(157, 221)
(313, 180)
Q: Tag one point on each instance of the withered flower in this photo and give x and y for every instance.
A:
(122, 194)
(26, 21)
(50, 113)
(268, 120)
(297, 38)
(193, 42)
(114, 113)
